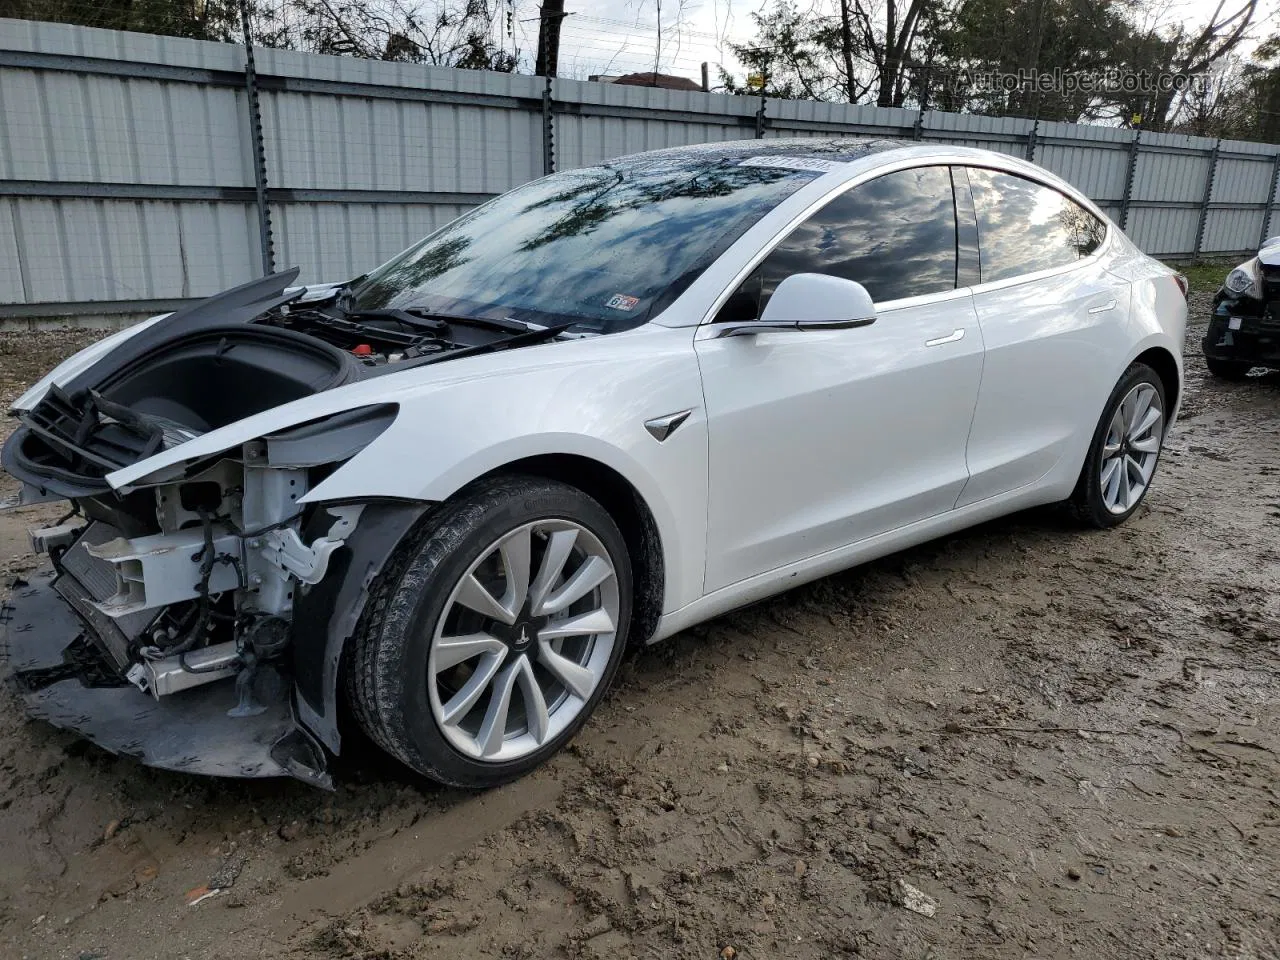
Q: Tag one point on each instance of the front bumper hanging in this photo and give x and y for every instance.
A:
(1244, 338)
(192, 731)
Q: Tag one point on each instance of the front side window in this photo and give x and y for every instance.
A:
(605, 248)
(1024, 226)
(895, 235)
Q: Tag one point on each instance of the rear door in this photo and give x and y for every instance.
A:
(819, 439)
(1052, 321)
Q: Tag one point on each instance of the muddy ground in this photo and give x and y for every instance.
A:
(1067, 742)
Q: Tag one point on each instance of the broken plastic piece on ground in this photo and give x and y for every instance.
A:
(914, 899)
(201, 894)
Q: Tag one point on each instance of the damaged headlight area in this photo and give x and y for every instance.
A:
(1243, 280)
(164, 625)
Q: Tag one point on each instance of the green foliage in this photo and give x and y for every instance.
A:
(1005, 36)
(1261, 120)
(195, 19)
(1205, 276)
(452, 33)
(927, 54)
(792, 57)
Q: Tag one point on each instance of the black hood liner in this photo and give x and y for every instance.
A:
(65, 449)
(238, 305)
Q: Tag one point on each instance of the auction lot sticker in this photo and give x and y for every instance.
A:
(621, 302)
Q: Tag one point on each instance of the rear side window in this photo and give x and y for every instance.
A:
(895, 235)
(1024, 226)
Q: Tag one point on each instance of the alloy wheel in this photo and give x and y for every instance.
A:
(523, 641)
(1131, 448)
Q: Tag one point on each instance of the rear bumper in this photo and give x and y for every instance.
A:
(189, 732)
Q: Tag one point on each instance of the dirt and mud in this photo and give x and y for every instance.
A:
(1023, 741)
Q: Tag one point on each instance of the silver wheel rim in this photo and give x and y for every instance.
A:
(524, 640)
(1131, 448)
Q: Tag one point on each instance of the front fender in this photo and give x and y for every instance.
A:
(442, 441)
(325, 615)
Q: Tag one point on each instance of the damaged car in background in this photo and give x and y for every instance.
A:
(432, 506)
(1244, 330)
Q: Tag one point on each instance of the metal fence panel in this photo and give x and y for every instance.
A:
(595, 122)
(1164, 231)
(1223, 228)
(343, 240)
(1098, 171)
(127, 173)
(1242, 181)
(1171, 177)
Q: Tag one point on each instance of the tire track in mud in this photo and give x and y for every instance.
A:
(1068, 742)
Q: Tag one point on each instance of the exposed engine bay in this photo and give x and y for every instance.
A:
(193, 577)
(217, 374)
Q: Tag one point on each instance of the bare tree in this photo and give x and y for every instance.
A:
(846, 50)
(889, 43)
(439, 33)
(1194, 53)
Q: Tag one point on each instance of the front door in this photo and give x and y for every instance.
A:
(820, 439)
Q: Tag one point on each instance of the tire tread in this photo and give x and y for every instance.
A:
(374, 664)
(1085, 504)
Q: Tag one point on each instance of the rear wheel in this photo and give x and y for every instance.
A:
(1228, 369)
(495, 634)
(1125, 450)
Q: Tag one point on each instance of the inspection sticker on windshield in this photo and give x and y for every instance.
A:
(620, 302)
(816, 164)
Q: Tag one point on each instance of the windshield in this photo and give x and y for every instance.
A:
(605, 248)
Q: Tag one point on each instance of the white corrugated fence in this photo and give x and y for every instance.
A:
(128, 180)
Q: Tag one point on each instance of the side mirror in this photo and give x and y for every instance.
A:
(810, 301)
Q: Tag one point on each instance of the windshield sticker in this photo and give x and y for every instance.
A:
(816, 164)
(620, 302)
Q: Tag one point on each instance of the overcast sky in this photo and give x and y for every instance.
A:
(620, 36)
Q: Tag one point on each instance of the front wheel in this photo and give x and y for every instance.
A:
(491, 638)
(1125, 450)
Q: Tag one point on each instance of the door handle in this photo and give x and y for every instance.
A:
(1103, 307)
(939, 341)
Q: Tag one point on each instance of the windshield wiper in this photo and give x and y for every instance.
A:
(408, 318)
(503, 325)
(346, 293)
(517, 340)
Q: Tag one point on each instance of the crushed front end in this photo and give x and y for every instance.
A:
(199, 590)
(1245, 325)
(162, 626)
(194, 616)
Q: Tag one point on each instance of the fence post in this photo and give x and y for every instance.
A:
(918, 132)
(548, 130)
(1270, 208)
(258, 146)
(1208, 195)
(762, 119)
(1135, 148)
(1032, 135)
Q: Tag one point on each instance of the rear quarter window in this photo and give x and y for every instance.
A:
(1024, 226)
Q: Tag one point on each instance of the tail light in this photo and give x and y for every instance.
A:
(1183, 284)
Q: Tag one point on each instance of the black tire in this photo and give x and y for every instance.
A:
(1228, 369)
(386, 667)
(1086, 501)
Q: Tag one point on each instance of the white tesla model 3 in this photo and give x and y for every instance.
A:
(443, 497)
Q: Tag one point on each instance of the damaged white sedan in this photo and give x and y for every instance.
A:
(440, 500)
